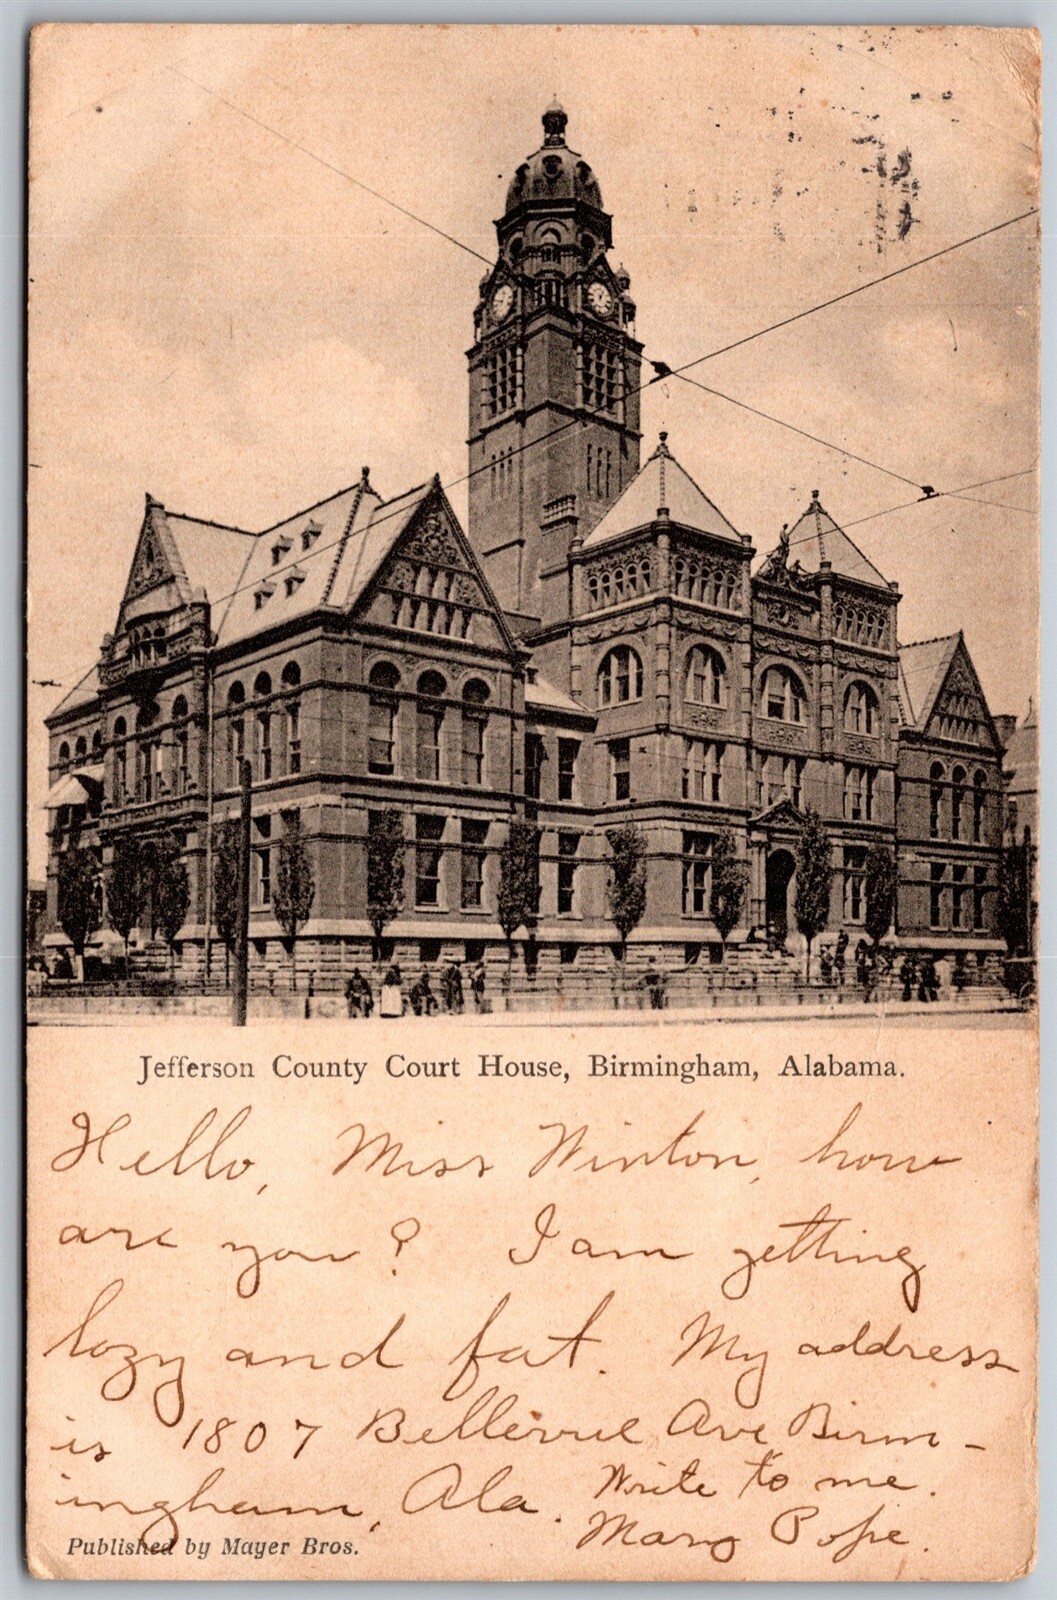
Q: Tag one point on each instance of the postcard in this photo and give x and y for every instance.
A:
(532, 793)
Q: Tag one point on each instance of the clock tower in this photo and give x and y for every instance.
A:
(554, 377)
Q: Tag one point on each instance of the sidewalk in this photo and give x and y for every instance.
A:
(120, 1012)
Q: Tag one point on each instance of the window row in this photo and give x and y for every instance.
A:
(957, 896)
(472, 848)
(619, 583)
(957, 809)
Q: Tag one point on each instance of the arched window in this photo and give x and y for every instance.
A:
(80, 749)
(474, 723)
(429, 726)
(862, 711)
(383, 680)
(97, 743)
(291, 680)
(236, 732)
(179, 708)
(149, 778)
(783, 696)
(64, 754)
(957, 802)
(706, 677)
(262, 728)
(979, 805)
(620, 677)
(937, 777)
(120, 762)
(592, 588)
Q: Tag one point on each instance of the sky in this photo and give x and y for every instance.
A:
(223, 315)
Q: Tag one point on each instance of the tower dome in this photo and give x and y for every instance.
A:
(554, 172)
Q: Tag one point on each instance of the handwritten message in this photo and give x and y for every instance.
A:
(402, 1302)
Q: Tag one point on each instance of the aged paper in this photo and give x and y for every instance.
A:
(532, 790)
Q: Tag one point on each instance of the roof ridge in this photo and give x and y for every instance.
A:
(938, 638)
(207, 522)
(349, 488)
(339, 553)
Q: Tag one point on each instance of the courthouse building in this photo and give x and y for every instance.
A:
(599, 645)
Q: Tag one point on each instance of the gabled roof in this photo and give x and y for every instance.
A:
(541, 692)
(82, 694)
(817, 538)
(662, 482)
(923, 667)
(298, 565)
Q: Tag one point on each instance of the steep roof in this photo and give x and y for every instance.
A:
(295, 566)
(1022, 755)
(923, 666)
(662, 482)
(82, 694)
(817, 538)
(212, 555)
(541, 692)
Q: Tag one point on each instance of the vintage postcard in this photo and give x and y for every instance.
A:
(532, 791)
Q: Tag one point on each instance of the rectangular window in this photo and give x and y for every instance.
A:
(568, 750)
(601, 382)
(958, 893)
(293, 737)
(473, 726)
(429, 725)
(620, 769)
(697, 852)
(501, 382)
(568, 845)
(474, 833)
(936, 872)
(428, 834)
(262, 833)
(979, 891)
(380, 734)
(854, 885)
(264, 746)
(535, 755)
(702, 771)
(182, 772)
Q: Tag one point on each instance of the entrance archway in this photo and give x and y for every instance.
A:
(780, 870)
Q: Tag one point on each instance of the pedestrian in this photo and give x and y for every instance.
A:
(838, 956)
(358, 996)
(423, 1000)
(825, 966)
(477, 983)
(452, 986)
(932, 979)
(392, 999)
(908, 973)
(960, 976)
(654, 983)
(862, 951)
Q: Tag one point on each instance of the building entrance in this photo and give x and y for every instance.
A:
(781, 869)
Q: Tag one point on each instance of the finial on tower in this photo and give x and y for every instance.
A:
(554, 123)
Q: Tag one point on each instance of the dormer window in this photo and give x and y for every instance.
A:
(293, 582)
(309, 535)
(262, 595)
(280, 548)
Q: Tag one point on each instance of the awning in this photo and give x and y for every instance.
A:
(74, 788)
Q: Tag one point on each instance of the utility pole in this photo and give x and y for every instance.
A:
(242, 925)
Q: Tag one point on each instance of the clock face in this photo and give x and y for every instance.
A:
(600, 300)
(502, 301)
